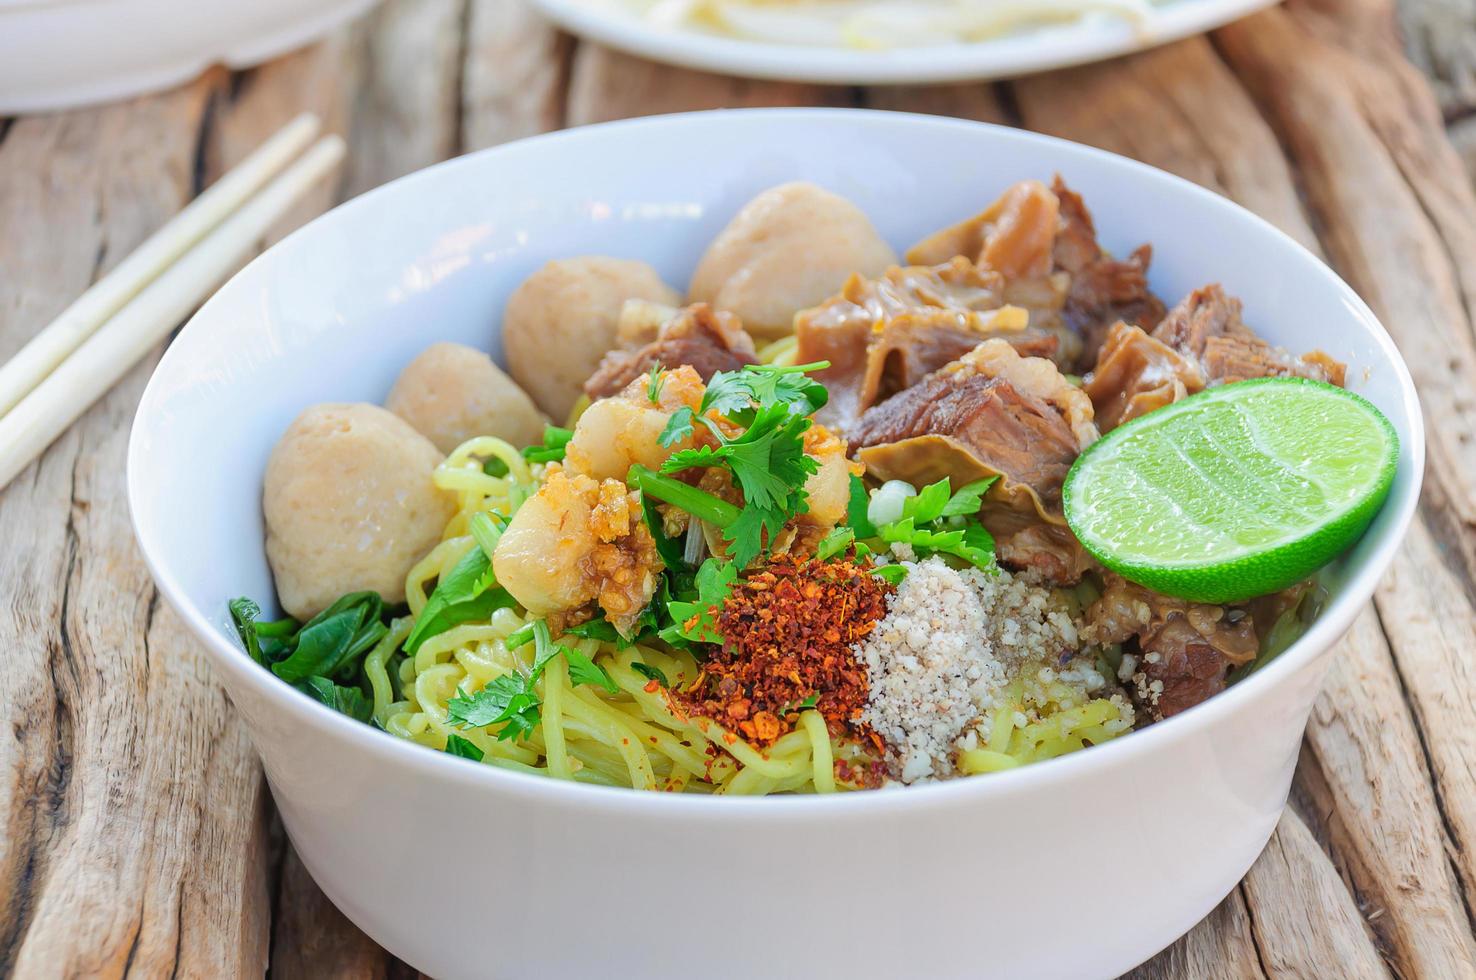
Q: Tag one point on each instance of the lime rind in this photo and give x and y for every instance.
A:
(1239, 491)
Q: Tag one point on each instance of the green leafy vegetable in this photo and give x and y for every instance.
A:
(967, 500)
(512, 700)
(769, 464)
(650, 673)
(583, 670)
(508, 700)
(927, 506)
(335, 639)
(244, 613)
(669, 549)
(555, 439)
(458, 746)
(891, 574)
(494, 466)
(346, 700)
(655, 383)
(715, 580)
(466, 593)
(678, 427)
(856, 509)
(519, 637)
(324, 657)
(739, 395)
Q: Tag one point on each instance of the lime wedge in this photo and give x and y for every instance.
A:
(1236, 492)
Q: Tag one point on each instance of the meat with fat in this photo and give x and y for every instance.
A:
(699, 337)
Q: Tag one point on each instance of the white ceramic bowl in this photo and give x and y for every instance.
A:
(1078, 867)
(1040, 49)
(56, 54)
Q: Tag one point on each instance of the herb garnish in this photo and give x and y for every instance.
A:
(694, 618)
(512, 699)
(771, 406)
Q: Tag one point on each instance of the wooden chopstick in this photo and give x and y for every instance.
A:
(157, 308)
(33, 362)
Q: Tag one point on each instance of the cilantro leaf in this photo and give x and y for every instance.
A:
(544, 648)
(519, 637)
(678, 427)
(769, 464)
(458, 746)
(508, 700)
(583, 670)
(967, 500)
(555, 439)
(715, 580)
(650, 673)
(734, 394)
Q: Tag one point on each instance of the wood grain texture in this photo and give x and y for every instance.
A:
(606, 85)
(1304, 921)
(514, 75)
(1307, 114)
(131, 801)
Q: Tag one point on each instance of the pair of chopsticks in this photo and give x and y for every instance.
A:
(81, 354)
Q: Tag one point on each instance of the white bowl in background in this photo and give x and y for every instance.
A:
(59, 54)
(1093, 38)
(1077, 867)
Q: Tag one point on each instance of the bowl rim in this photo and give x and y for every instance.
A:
(317, 719)
(998, 57)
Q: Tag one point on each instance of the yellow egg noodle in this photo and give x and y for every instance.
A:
(633, 738)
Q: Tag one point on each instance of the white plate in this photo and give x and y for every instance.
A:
(1018, 54)
(1078, 868)
(60, 54)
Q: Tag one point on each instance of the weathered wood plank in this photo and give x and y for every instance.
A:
(1440, 40)
(1390, 194)
(118, 732)
(1372, 787)
(1222, 945)
(515, 73)
(1390, 198)
(313, 939)
(1178, 108)
(976, 100)
(408, 105)
(319, 79)
(1304, 921)
(606, 85)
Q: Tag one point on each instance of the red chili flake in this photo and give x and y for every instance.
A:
(788, 630)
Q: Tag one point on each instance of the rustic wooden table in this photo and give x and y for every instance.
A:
(136, 833)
